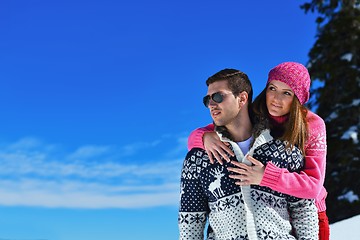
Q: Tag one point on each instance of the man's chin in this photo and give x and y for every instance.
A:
(218, 123)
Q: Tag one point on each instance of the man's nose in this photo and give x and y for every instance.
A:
(212, 103)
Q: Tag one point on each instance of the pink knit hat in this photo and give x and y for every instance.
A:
(296, 76)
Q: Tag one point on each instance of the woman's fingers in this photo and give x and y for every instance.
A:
(254, 161)
(241, 165)
(209, 153)
(226, 149)
(222, 151)
(217, 156)
(237, 170)
(242, 182)
(245, 174)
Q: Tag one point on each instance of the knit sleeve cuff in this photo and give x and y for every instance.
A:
(271, 175)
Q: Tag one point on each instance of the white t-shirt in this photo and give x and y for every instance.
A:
(245, 145)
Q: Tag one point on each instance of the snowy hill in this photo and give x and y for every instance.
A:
(348, 229)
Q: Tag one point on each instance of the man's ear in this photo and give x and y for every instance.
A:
(243, 98)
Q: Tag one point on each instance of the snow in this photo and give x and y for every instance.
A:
(350, 196)
(332, 116)
(356, 102)
(348, 229)
(347, 57)
(351, 134)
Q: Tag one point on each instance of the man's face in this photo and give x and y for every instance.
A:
(223, 113)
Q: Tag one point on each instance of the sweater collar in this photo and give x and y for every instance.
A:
(278, 120)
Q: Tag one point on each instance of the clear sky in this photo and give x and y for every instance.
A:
(97, 99)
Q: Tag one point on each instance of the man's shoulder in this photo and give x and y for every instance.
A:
(195, 162)
(196, 153)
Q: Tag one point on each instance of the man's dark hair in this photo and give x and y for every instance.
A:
(237, 81)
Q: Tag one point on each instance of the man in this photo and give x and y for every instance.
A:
(207, 192)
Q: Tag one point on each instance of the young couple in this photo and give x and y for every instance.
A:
(267, 179)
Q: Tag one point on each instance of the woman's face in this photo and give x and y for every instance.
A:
(279, 98)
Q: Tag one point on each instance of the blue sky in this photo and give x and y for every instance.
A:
(97, 99)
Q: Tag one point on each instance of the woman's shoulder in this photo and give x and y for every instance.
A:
(315, 122)
(317, 132)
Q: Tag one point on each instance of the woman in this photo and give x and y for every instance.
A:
(280, 107)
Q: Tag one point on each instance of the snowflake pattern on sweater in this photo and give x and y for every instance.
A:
(234, 212)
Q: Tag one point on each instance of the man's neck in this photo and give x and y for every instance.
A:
(240, 129)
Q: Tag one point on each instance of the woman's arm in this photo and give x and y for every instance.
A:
(304, 219)
(195, 139)
(309, 182)
(306, 184)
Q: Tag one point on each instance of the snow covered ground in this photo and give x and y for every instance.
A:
(348, 229)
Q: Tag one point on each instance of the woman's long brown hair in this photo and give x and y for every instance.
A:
(294, 131)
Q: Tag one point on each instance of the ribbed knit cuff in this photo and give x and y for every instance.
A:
(320, 200)
(271, 175)
(321, 205)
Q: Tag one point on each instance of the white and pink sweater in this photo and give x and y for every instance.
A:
(306, 184)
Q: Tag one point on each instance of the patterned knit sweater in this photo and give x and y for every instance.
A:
(242, 212)
(308, 183)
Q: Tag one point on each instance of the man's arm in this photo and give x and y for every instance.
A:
(193, 209)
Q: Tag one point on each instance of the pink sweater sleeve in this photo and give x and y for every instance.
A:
(309, 182)
(195, 139)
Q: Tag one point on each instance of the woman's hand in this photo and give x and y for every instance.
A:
(216, 148)
(247, 175)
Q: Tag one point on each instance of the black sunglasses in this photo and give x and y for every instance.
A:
(217, 97)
